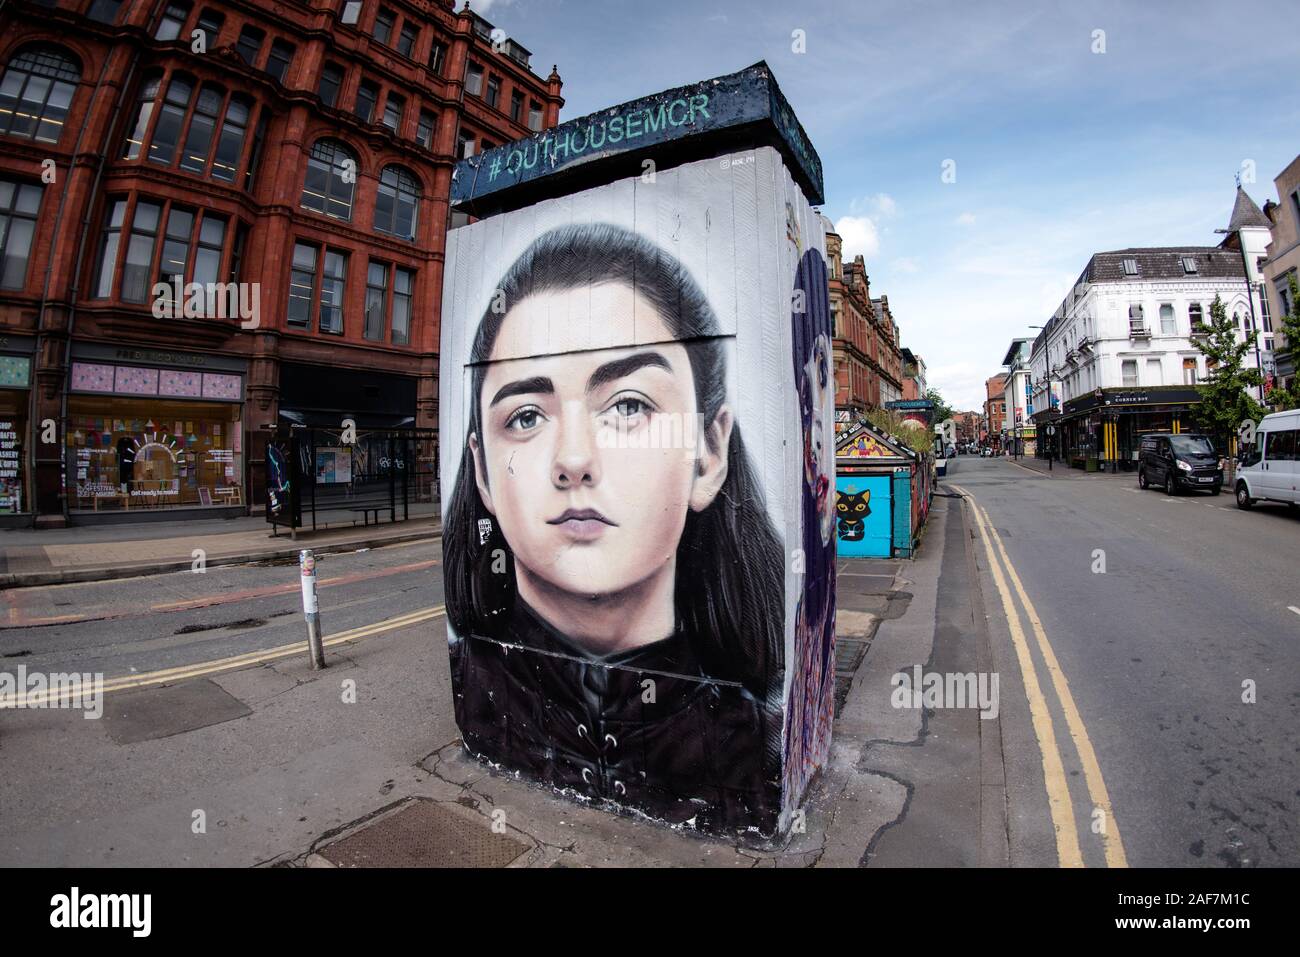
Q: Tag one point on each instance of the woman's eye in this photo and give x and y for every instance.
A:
(630, 406)
(524, 420)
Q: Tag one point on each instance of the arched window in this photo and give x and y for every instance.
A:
(171, 117)
(144, 106)
(36, 92)
(330, 180)
(397, 203)
(231, 144)
(198, 141)
(214, 130)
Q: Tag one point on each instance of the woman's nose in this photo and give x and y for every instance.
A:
(576, 460)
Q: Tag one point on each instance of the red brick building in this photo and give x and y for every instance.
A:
(995, 410)
(868, 362)
(303, 156)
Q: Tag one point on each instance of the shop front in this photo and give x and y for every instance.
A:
(15, 396)
(381, 406)
(1104, 428)
(151, 433)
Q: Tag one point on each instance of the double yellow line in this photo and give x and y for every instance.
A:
(1058, 790)
(168, 675)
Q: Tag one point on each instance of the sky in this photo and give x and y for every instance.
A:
(1062, 140)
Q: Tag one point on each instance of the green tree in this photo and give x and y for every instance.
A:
(942, 410)
(1225, 403)
(908, 431)
(1278, 397)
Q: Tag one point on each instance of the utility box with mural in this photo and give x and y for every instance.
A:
(882, 496)
(636, 419)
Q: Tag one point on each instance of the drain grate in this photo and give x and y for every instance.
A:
(848, 654)
(425, 834)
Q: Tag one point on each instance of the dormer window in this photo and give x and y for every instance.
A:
(1130, 267)
(1189, 265)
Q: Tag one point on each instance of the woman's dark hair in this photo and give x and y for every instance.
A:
(730, 590)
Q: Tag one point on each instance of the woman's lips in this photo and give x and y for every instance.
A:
(582, 524)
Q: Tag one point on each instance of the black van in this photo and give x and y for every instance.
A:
(1182, 461)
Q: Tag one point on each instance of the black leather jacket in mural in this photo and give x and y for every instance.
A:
(686, 747)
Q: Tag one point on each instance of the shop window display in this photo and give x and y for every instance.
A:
(13, 429)
(138, 453)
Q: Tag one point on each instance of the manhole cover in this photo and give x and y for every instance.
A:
(425, 834)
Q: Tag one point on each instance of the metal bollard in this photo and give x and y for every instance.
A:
(307, 570)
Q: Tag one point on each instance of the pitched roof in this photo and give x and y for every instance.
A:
(1246, 213)
(1164, 262)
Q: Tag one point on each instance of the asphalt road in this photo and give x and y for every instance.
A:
(1195, 608)
(134, 625)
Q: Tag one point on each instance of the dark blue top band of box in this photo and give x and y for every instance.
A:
(738, 111)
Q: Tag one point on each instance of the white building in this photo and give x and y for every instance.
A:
(1248, 234)
(1017, 394)
(1119, 350)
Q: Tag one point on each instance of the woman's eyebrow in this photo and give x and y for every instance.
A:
(537, 384)
(619, 368)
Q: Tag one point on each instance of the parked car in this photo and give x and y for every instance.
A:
(1270, 470)
(1180, 461)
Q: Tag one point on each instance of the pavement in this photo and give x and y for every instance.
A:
(219, 745)
(1145, 647)
(30, 557)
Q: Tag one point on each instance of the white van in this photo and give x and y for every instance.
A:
(1271, 470)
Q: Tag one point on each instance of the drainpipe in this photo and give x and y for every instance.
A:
(41, 335)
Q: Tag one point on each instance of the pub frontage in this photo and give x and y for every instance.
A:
(1103, 428)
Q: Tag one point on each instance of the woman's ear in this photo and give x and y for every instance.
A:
(480, 473)
(713, 462)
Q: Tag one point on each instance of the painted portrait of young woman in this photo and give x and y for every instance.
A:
(615, 588)
(811, 701)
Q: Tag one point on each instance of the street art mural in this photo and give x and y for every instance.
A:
(853, 508)
(639, 567)
(862, 510)
(811, 701)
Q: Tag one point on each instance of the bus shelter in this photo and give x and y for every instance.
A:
(323, 477)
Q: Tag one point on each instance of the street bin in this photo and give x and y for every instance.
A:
(637, 421)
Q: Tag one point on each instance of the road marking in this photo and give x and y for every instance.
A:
(1110, 837)
(1058, 789)
(291, 587)
(1293, 608)
(167, 675)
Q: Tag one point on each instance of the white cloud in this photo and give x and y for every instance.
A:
(860, 236)
(966, 219)
(905, 264)
(884, 204)
(881, 205)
